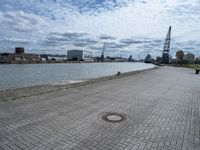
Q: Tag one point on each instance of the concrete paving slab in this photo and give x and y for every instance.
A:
(162, 109)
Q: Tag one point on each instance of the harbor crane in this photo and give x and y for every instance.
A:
(166, 57)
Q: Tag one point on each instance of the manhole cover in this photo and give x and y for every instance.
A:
(113, 117)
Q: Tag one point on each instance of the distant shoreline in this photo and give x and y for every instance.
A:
(68, 62)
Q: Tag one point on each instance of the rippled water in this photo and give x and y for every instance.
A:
(23, 75)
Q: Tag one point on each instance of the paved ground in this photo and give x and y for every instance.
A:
(162, 109)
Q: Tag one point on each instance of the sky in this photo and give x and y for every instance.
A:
(127, 27)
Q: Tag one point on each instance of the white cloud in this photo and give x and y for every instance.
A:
(120, 19)
(20, 22)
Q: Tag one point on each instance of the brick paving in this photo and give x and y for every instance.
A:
(162, 109)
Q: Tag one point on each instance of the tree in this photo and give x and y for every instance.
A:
(179, 56)
(197, 60)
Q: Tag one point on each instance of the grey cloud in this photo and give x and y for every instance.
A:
(188, 8)
(157, 41)
(124, 51)
(117, 46)
(83, 42)
(114, 45)
(190, 46)
(109, 43)
(57, 40)
(130, 41)
(15, 41)
(95, 48)
(154, 44)
(91, 7)
(106, 37)
(87, 40)
(80, 44)
(69, 38)
(74, 35)
(20, 22)
(135, 41)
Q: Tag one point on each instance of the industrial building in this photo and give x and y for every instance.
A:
(19, 57)
(79, 55)
(189, 58)
(148, 59)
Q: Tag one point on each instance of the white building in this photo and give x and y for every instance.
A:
(78, 55)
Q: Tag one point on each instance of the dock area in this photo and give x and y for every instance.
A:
(156, 109)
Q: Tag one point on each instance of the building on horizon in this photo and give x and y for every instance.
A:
(19, 50)
(19, 57)
(189, 58)
(197, 60)
(148, 59)
(79, 55)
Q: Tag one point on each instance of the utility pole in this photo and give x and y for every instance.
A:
(103, 51)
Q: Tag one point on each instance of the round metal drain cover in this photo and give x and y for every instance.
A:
(113, 117)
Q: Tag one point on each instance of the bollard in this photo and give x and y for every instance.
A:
(197, 71)
(118, 73)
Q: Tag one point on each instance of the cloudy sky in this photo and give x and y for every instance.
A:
(127, 27)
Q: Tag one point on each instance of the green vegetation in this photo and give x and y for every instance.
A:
(193, 66)
(179, 56)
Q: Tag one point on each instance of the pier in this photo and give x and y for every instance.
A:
(146, 110)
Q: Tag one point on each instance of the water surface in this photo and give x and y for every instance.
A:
(23, 75)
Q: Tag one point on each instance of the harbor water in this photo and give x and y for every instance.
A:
(24, 75)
